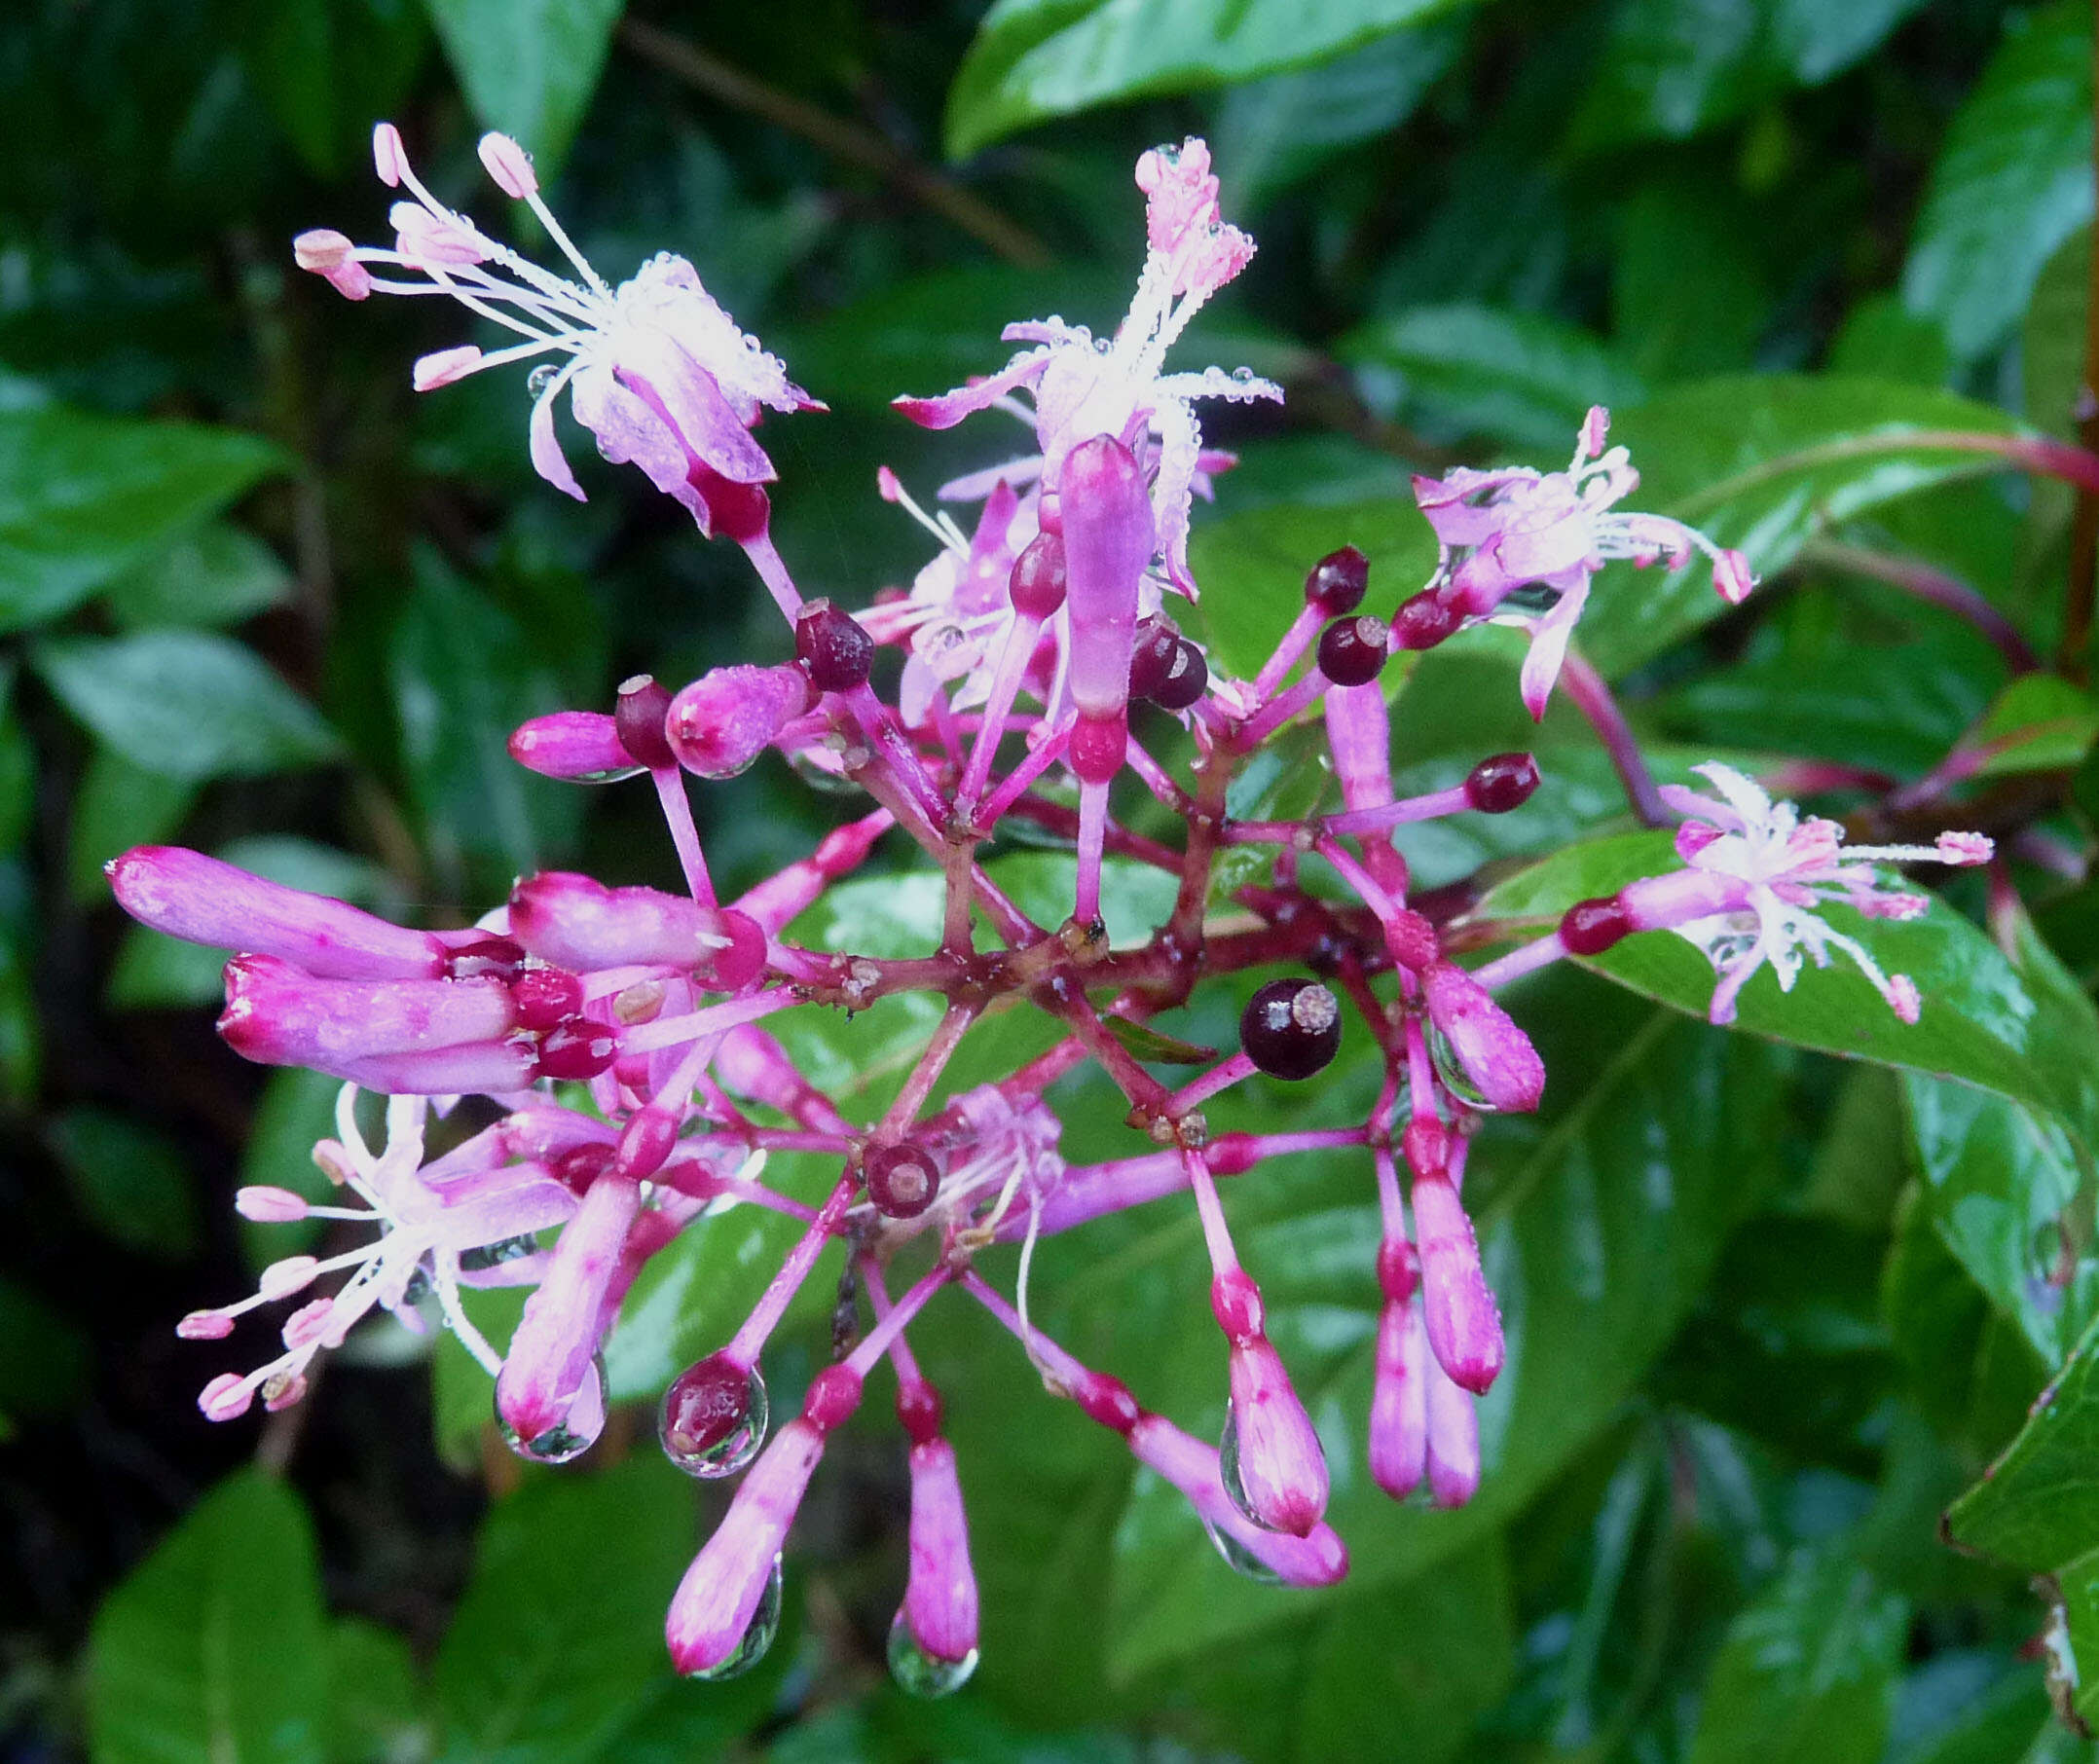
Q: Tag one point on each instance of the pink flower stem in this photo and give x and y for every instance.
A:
(1156, 781)
(1022, 638)
(1093, 828)
(773, 573)
(1045, 1354)
(1120, 840)
(748, 1342)
(1524, 960)
(1386, 909)
(882, 734)
(1278, 711)
(1216, 1234)
(1220, 1077)
(1039, 760)
(1296, 641)
(932, 1062)
(1405, 811)
(669, 783)
(1594, 699)
(1143, 1090)
(890, 1326)
(672, 1031)
(704, 1186)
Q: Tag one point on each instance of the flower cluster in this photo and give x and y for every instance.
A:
(623, 1040)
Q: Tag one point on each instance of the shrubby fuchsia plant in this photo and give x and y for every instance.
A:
(621, 1033)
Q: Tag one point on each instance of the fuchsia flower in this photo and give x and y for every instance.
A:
(1500, 530)
(655, 369)
(1117, 386)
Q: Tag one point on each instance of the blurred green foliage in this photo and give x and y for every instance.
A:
(1769, 1314)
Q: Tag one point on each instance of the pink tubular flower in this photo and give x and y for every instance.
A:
(1757, 872)
(1317, 1558)
(427, 1218)
(940, 1600)
(1499, 530)
(656, 369)
(1496, 1056)
(1083, 389)
(1277, 1460)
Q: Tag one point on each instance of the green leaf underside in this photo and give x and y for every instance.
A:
(528, 66)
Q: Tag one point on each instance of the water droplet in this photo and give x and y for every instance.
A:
(611, 774)
(493, 1254)
(541, 376)
(1456, 1079)
(1533, 598)
(920, 1673)
(714, 1418)
(1244, 375)
(418, 1287)
(758, 1638)
(1239, 1558)
(1228, 1473)
(571, 1436)
(604, 450)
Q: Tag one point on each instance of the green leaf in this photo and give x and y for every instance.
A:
(129, 1180)
(1765, 463)
(2051, 342)
(216, 574)
(2020, 1029)
(1690, 292)
(1594, 1273)
(372, 1716)
(185, 704)
(214, 1650)
(86, 497)
(1275, 133)
(465, 674)
(46, 1359)
(1033, 60)
(1670, 70)
(2037, 1508)
(1519, 376)
(2013, 180)
(17, 767)
(117, 807)
(1808, 1673)
(1881, 339)
(558, 1638)
(2039, 723)
(328, 67)
(528, 66)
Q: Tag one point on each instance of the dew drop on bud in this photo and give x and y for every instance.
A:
(714, 1418)
(919, 1672)
(541, 376)
(1239, 1558)
(1228, 1473)
(758, 1638)
(1452, 1071)
(575, 1434)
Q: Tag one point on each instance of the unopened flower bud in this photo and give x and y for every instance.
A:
(1108, 540)
(1399, 1401)
(1495, 1054)
(582, 746)
(1464, 1326)
(832, 646)
(638, 716)
(577, 923)
(720, 1592)
(1281, 1466)
(940, 1600)
(723, 721)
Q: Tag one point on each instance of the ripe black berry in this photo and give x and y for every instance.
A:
(1291, 1028)
(901, 1178)
(1353, 650)
(1338, 583)
(1036, 583)
(639, 718)
(576, 1048)
(1188, 678)
(1501, 782)
(1591, 927)
(833, 647)
(486, 957)
(1424, 621)
(1152, 658)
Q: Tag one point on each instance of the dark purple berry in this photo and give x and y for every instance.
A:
(1338, 583)
(545, 996)
(1291, 1028)
(1185, 680)
(1353, 650)
(1591, 927)
(487, 957)
(1151, 656)
(1501, 782)
(1036, 583)
(833, 647)
(705, 1404)
(1424, 621)
(901, 1178)
(639, 717)
(579, 1166)
(576, 1047)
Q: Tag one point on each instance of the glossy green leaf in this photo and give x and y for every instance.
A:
(2013, 180)
(1808, 1673)
(1691, 286)
(1033, 60)
(528, 68)
(2051, 341)
(2039, 723)
(1274, 133)
(46, 1358)
(86, 497)
(1670, 70)
(215, 574)
(558, 1638)
(1517, 377)
(18, 765)
(214, 1650)
(1763, 463)
(2021, 1029)
(128, 1179)
(1600, 1222)
(328, 68)
(119, 805)
(185, 704)
(372, 1695)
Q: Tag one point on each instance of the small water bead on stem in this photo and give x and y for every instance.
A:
(713, 1418)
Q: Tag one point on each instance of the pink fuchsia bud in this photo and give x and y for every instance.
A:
(577, 923)
(1453, 1441)
(226, 1398)
(1493, 1054)
(1108, 540)
(509, 166)
(713, 1609)
(202, 901)
(1274, 1456)
(940, 1600)
(1399, 1401)
(1319, 1558)
(444, 366)
(550, 1354)
(723, 721)
(280, 1016)
(268, 1205)
(1464, 1324)
(472, 1068)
